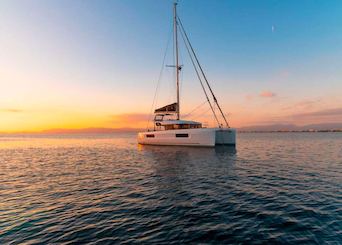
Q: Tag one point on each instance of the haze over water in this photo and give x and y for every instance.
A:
(279, 187)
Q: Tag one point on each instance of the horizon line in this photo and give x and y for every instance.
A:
(252, 128)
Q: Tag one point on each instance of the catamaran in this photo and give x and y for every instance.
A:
(169, 128)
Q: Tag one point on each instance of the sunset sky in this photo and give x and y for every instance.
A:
(83, 63)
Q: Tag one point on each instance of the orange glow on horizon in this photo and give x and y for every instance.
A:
(21, 121)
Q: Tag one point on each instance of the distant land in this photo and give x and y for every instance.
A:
(78, 131)
(88, 130)
(293, 128)
(324, 127)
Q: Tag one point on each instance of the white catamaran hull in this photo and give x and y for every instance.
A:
(189, 137)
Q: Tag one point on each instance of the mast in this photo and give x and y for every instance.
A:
(176, 55)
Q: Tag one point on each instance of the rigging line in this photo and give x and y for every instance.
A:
(205, 78)
(159, 79)
(196, 108)
(198, 75)
(203, 113)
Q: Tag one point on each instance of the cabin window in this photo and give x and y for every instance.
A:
(149, 135)
(182, 126)
(168, 127)
(182, 135)
(159, 118)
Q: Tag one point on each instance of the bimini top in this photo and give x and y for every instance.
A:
(171, 108)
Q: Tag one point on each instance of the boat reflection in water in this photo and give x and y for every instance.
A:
(192, 155)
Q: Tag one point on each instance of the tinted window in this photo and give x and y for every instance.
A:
(182, 135)
(149, 135)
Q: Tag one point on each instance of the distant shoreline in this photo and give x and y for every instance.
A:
(272, 128)
(292, 131)
(135, 131)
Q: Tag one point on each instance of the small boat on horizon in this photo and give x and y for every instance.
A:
(169, 128)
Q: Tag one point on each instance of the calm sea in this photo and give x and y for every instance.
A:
(271, 188)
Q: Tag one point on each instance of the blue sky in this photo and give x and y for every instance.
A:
(82, 55)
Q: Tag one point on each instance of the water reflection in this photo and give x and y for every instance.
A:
(219, 150)
(181, 173)
(82, 189)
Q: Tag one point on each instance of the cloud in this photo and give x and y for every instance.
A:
(332, 115)
(267, 94)
(263, 94)
(11, 110)
(249, 97)
(303, 105)
(336, 112)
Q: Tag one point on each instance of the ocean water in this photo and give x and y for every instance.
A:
(105, 189)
